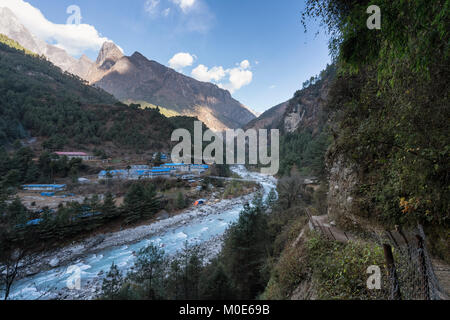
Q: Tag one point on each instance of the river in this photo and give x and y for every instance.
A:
(89, 260)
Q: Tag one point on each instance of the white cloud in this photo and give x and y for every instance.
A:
(202, 73)
(245, 64)
(237, 77)
(181, 60)
(151, 6)
(75, 39)
(185, 5)
(272, 86)
(192, 15)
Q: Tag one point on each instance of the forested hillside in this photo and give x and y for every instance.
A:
(38, 100)
(305, 129)
(390, 106)
(387, 164)
(386, 151)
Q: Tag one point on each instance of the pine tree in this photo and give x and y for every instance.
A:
(150, 272)
(180, 202)
(245, 249)
(216, 285)
(141, 202)
(191, 260)
(112, 284)
(271, 199)
(109, 206)
(158, 159)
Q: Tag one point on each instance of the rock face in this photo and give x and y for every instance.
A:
(304, 110)
(12, 28)
(343, 183)
(54, 262)
(82, 67)
(270, 119)
(108, 56)
(138, 79)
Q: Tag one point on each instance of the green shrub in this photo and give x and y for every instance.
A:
(340, 270)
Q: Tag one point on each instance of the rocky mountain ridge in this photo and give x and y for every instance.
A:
(138, 79)
(14, 29)
(304, 111)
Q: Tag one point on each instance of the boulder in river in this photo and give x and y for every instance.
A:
(54, 262)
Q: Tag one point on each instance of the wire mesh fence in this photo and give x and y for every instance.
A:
(411, 272)
(408, 269)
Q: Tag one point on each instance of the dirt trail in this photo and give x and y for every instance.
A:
(322, 224)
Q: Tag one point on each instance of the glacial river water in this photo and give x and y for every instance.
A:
(199, 229)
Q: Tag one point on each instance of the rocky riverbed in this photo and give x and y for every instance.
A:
(50, 273)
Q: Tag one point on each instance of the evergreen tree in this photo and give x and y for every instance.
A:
(245, 250)
(141, 202)
(158, 159)
(109, 206)
(150, 272)
(271, 199)
(180, 202)
(112, 284)
(216, 284)
(174, 278)
(17, 213)
(191, 260)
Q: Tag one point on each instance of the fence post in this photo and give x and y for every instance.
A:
(423, 268)
(333, 238)
(395, 287)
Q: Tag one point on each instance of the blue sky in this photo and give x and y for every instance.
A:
(215, 33)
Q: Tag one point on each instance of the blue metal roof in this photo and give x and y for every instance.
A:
(170, 169)
(204, 166)
(47, 194)
(44, 186)
(136, 171)
(34, 222)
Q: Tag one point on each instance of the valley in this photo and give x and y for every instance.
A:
(95, 206)
(202, 226)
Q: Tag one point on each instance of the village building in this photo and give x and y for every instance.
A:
(134, 174)
(75, 155)
(137, 172)
(140, 167)
(182, 167)
(177, 166)
(199, 168)
(44, 187)
(164, 157)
